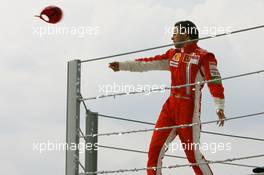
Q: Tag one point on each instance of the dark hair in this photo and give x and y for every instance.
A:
(189, 27)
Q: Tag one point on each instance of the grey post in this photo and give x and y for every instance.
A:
(73, 116)
(91, 142)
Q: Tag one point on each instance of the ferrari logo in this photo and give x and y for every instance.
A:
(176, 57)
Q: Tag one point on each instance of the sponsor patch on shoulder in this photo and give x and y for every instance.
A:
(176, 57)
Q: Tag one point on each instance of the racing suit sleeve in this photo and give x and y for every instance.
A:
(158, 62)
(210, 71)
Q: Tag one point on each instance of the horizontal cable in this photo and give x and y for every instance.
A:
(144, 152)
(169, 45)
(172, 127)
(124, 119)
(174, 166)
(234, 136)
(138, 151)
(167, 155)
(172, 87)
(206, 132)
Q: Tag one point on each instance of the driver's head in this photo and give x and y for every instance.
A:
(184, 31)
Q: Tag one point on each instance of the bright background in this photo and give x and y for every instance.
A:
(33, 74)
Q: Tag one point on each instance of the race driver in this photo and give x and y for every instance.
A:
(188, 64)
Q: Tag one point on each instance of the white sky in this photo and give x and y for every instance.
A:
(33, 77)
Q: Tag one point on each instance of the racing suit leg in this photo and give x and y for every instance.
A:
(160, 139)
(190, 136)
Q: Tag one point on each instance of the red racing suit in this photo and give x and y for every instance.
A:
(187, 65)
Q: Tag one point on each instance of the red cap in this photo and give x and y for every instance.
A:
(53, 14)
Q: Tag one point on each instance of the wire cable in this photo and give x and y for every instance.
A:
(172, 127)
(172, 87)
(124, 119)
(206, 132)
(144, 152)
(174, 166)
(234, 136)
(169, 45)
(84, 104)
(166, 155)
(80, 164)
(138, 151)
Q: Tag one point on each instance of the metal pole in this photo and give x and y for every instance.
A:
(91, 142)
(73, 117)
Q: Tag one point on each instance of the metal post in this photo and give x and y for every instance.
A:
(73, 117)
(91, 152)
